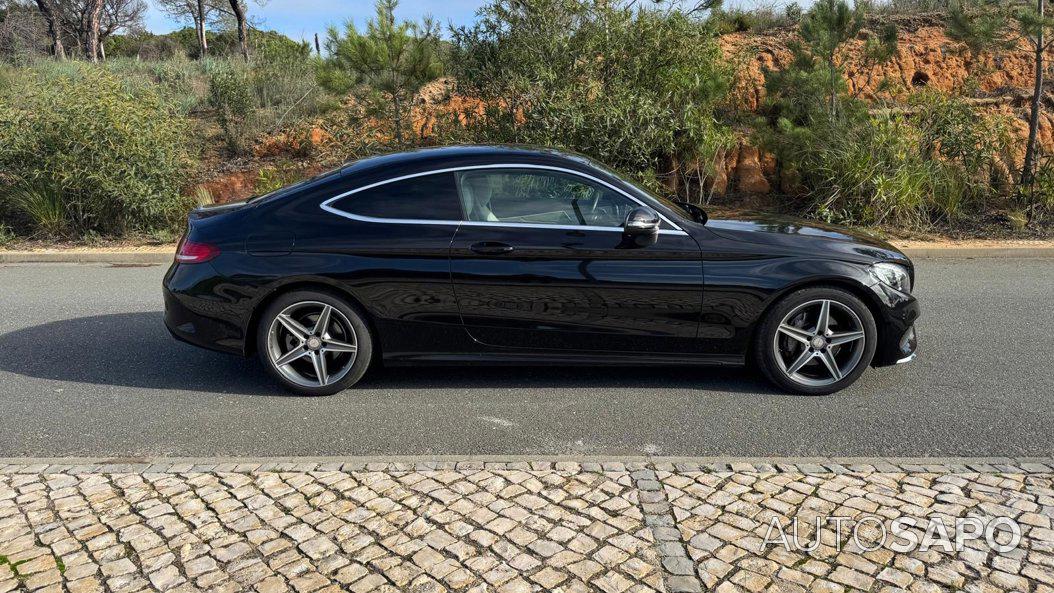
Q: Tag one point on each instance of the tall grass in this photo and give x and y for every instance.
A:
(42, 203)
(936, 165)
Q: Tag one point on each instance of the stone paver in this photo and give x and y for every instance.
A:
(428, 530)
(726, 520)
(284, 526)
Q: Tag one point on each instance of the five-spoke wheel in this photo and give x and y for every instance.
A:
(314, 342)
(816, 341)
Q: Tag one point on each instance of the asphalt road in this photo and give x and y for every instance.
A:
(87, 369)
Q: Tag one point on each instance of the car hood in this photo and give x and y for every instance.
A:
(805, 236)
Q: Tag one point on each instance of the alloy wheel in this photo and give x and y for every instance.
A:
(819, 342)
(312, 344)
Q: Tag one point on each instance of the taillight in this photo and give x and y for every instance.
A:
(191, 252)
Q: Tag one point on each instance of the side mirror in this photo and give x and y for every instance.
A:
(641, 221)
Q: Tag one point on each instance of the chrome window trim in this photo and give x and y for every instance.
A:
(676, 230)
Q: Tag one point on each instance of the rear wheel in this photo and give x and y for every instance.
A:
(314, 343)
(816, 341)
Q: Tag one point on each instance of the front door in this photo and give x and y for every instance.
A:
(541, 262)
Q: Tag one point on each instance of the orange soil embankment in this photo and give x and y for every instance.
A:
(925, 57)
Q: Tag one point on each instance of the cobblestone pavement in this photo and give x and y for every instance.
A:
(510, 527)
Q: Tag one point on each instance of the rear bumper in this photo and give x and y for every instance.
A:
(192, 317)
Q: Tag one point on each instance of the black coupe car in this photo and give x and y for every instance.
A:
(509, 255)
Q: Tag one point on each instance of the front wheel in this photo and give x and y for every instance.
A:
(314, 343)
(816, 341)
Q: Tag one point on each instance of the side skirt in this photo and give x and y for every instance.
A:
(559, 358)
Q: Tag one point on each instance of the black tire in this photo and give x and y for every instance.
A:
(764, 350)
(363, 339)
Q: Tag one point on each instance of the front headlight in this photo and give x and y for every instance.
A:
(893, 276)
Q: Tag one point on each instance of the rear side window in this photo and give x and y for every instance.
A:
(428, 197)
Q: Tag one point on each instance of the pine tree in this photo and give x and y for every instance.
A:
(989, 26)
(394, 59)
(824, 29)
(1034, 25)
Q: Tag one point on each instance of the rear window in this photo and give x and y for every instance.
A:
(428, 197)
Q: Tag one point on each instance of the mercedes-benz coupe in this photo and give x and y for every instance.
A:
(508, 255)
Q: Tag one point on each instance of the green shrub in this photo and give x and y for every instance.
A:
(8, 76)
(143, 45)
(180, 82)
(860, 171)
(286, 91)
(938, 164)
(7, 235)
(183, 43)
(116, 156)
(755, 20)
(269, 179)
(975, 144)
(272, 93)
(1039, 197)
(630, 86)
(937, 160)
(231, 95)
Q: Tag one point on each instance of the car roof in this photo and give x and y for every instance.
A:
(426, 158)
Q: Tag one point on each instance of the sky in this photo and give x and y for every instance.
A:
(301, 19)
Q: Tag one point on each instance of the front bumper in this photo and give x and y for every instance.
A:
(898, 339)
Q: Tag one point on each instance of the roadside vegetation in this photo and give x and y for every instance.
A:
(119, 136)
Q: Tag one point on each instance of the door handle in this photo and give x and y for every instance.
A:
(491, 248)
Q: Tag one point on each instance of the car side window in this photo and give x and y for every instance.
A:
(540, 197)
(428, 197)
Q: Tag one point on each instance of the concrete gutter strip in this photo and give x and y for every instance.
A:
(164, 258)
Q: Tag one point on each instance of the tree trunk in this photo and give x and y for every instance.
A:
(54, 28)
(90, 25)
(833, 75)
(1028, 169)
(243, 27)
(398, 120)
(203, 42)
(102, 50)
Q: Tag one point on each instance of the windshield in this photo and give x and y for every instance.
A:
(676, 208)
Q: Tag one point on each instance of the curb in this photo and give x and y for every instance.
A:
(88, 257)
(164, 258)
(811, 465)
(977, 252)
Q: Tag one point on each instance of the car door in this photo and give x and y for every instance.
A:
(541, 262)
(388, 244)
